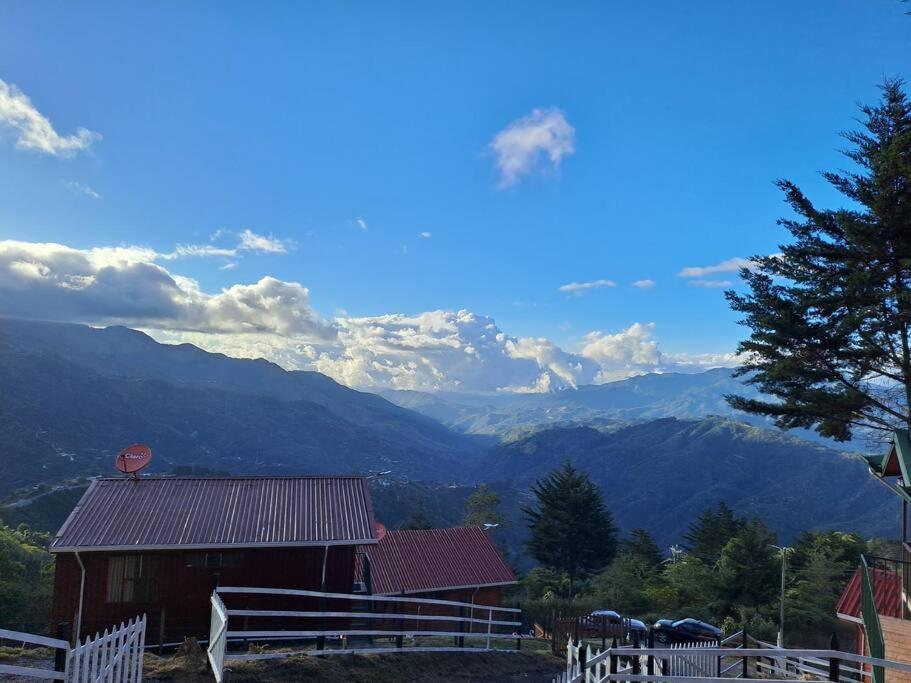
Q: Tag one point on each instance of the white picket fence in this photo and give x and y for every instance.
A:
(111, 657)
(218, 637)
(114, 657)
(691, 663)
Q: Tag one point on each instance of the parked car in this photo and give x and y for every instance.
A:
(612, 616)
(684, 631)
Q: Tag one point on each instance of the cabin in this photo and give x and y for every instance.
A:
(460, 564)
(875, 600)
(160, 545)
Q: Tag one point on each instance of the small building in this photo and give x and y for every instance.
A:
(876, 598)
(160, 545)
(460, 564)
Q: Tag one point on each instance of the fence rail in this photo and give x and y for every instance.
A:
(355, 625)
(585, 665)
(112, 657)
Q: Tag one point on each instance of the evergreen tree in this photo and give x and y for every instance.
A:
(810, 603)
(571, 530)
(830, 316)
(642, 546)
(709, 534)
(748, 569)
(483, 507)
(419, 519)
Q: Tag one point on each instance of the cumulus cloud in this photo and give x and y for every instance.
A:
(426, 234)
(125, 285)
(538, 140)
(361, 223)
(80, 188)
(731, 265)
(274, 319)
(32, 129)
(644, 284)
(582, 287)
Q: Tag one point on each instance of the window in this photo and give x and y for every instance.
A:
(214, 560)
(132, 578)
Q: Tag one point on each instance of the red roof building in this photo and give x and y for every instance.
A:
(160, 545)
(459, 564)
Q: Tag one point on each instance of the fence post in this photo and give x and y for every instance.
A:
(613, 656)
(637, 665)
(60, 654)
(399, 639)
(834, 662)
(461, 639)
(718, 660)
(650, 660)
(584, 653)
(161, 632)
(746, 643)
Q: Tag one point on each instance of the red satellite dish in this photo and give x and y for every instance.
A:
(380, 530)
(133, 458)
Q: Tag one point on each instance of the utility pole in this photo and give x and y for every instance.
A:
(784, 559)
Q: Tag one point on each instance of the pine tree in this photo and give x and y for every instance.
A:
(708, 535)
(747, 569)
(830, 316)
(642, 546)
(571, 530)
(419, 520)
(483, 507)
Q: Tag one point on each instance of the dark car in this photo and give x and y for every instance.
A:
(685, 631)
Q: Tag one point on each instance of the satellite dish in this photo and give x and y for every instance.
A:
(133, 458)
(380, 530)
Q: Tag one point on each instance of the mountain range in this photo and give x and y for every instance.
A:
(662, 447)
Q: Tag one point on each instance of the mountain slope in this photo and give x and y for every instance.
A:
(72, 396)
(661, 474)
(606, 406)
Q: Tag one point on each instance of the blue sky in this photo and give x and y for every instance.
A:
(294, 120)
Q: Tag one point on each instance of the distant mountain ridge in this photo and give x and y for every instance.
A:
(661, 474)
(605, 406)
(72, 396)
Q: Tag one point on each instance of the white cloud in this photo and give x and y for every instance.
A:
(539, 140)
(124, 285)
(202, 250)
(230, 265)
(644, 284)
(582, 287)
(250, 241)
(711, 284)
(271, 318)
(79, 188)
(732, 265)
(361, 223)
(426, 234)
(32, 129)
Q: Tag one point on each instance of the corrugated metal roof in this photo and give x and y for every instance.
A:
(194, 512)
(887, 591)
(434, 559)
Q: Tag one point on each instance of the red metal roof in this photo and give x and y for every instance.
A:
(887, 591)
(193, 512)
(435, 559)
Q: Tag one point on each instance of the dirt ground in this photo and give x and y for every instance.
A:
(461, 667)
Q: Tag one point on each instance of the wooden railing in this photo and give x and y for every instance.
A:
(113, 657)
(391, 619)
(647, 664)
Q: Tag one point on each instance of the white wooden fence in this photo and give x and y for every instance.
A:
(482, 624)
(114, 657)
(585, 666)
(111, 657)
